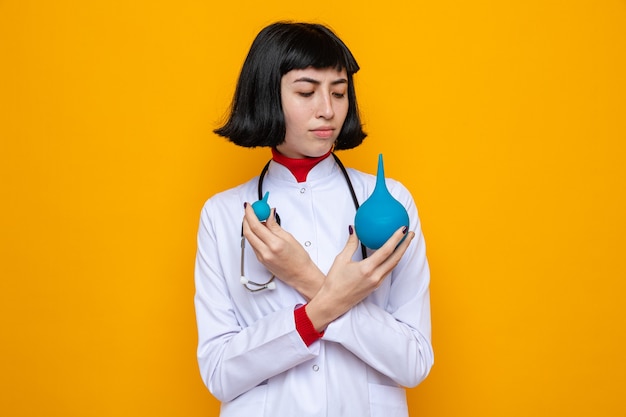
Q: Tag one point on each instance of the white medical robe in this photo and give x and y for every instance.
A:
(250, 355)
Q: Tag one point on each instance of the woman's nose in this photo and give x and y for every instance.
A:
(325, 107)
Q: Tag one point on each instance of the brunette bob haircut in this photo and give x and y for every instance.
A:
(256, 116)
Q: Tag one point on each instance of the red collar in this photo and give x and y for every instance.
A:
(299, 167)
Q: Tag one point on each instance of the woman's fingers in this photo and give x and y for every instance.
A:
(382, 261)
(254, 231)
(390, 246)
(265, 230)
(351, 246)
(269, 241)
(395, 248)
(271, 222)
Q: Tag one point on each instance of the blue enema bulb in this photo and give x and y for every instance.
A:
(380, 215)
(261, 208)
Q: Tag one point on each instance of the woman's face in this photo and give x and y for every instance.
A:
(315, 105)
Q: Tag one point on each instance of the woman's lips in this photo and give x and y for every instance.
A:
(323, 133)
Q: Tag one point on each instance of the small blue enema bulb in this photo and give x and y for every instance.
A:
(261, 208)
(380, 215)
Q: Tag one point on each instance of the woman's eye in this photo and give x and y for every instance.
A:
(305, 93)
(339, 95)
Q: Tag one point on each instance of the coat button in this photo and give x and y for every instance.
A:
(302, 190)
(307, 243)
(315, 368)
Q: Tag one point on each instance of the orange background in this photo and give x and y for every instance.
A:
(506, 120)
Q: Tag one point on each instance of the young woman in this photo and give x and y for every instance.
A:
(294, 319)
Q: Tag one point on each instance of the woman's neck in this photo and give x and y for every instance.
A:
(300, 168)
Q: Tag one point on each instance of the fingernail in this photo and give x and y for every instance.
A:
(350, 229)
(404, 230)
(245, 205)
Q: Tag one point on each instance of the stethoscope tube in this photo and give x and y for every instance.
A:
(270, 284)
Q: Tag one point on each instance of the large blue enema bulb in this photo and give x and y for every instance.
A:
(261, 208)
(380, 215)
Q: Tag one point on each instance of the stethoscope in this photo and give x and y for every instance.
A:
(270, 284)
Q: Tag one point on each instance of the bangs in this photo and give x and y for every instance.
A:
(316, 46)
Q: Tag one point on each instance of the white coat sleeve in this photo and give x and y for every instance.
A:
(391, 329)
(232, 358)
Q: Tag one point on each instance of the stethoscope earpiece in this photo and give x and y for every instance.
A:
(255, 286)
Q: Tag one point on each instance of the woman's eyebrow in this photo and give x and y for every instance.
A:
(317, 82)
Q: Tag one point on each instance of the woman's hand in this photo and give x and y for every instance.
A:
(282, 254)
(349, 282)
